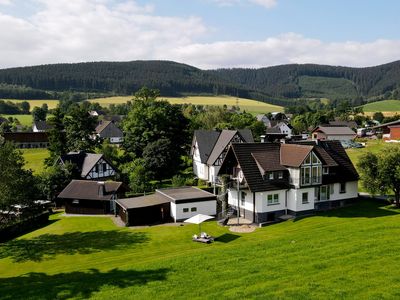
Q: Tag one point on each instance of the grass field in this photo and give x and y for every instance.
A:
(350, 253)
(34, 159)
(50, 103)
(245, 104)
(387, 107)
(25, 120)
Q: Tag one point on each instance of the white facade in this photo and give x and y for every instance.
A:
(116, 140)
(183, 211)
(296, 199)
(285, 129)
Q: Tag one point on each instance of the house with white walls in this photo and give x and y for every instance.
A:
(274, 180)
(209, 148)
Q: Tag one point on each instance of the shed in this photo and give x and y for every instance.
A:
(175, 204)
(144, 210)
(91, 197)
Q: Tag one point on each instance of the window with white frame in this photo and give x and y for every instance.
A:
(271, 175)
(325, 170)
(273, 199)
(280, 174)
(304, 198)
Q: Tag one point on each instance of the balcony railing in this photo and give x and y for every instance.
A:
(304, 181)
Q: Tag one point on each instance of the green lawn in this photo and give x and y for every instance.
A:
(383, 106)
(34, 159)
(245, 104)
(25, 120)
(350, 253)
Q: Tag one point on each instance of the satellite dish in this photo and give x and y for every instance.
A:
(240, 176)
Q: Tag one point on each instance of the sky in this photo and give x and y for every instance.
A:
(207, 34)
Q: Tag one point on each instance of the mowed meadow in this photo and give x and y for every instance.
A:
(387, 107)
(348, 253)
(248, 105)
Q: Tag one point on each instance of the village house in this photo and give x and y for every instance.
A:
(108, 130)
(169, 204)
(338, 133)
(91, 197)
(209, 148)
(89, 166)
(389, 131)
(273, 180)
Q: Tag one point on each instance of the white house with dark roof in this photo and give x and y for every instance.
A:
(209, 148)
(108, 130)
(40, 126)
(338, 133)
(89, 166)
(271, 180)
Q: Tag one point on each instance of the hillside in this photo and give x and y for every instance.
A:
(279, 85)
(383, 106)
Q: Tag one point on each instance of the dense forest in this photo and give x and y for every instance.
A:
(278, 85)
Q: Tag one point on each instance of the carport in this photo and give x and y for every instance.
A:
(144, 210)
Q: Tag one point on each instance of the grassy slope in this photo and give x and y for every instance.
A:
(383, 106)
(50, 103)
(34, 159)
(245, 104)
(25, 120)
(339, 254)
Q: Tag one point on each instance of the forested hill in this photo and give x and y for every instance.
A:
(278, 84)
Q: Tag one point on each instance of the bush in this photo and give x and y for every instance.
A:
(178, 180)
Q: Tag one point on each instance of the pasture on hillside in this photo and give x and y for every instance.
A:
(387, 107)
(348, 253)
(248, 105)
(37, 103)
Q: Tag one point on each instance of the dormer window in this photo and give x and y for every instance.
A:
(271, 176)
(325, 170)
(280, 174)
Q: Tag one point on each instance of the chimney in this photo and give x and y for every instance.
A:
(102, 188)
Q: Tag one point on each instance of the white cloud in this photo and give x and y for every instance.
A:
(286, 49)
(264, 3)
(94, 30)
(90, 30)
(5, 2)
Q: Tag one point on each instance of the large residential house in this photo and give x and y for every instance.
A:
(209, 148)
(108, 130)
(338, 133)
(27, 139)
(89, 166)
(275, 180)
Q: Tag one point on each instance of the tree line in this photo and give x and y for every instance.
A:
(282, 85)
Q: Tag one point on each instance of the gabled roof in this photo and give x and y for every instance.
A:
(42, 125)
(90, 190)
(293, 155)
(206, 140)
(224, 139)
(350, 124)
(83, 161)
(335, 130)
(243, 154)
(255, 159)
(387, 124)
(211, 143)
(107, 129)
